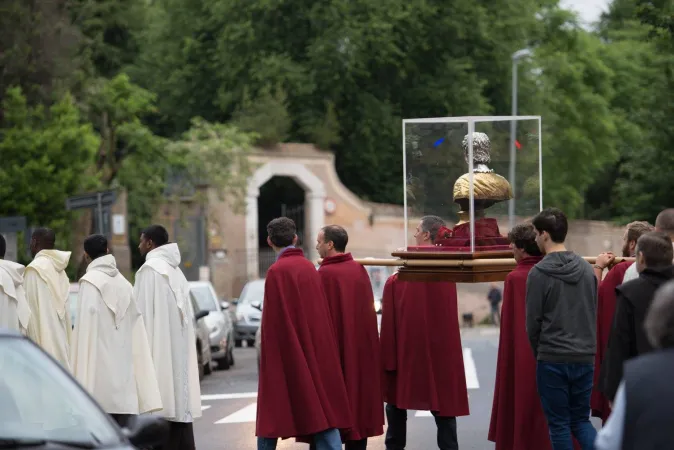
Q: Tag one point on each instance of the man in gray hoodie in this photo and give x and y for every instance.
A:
(561, 308)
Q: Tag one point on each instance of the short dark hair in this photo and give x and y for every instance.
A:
(337, 235)
(96, 246)
(659, 322)
(657, 249)
(282, 232)
(157, 234)
(665, 221)
(432, 224)
(45, 238)
(636, 229)
(523, 237)
(554, 221)
(3, 246)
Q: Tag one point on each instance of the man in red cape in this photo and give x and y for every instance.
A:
(606, 305)
(517, 419)
(421, 352)
(349, 292)
(301, 391)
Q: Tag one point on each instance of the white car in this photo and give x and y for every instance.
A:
(248, 314)
(218, 321)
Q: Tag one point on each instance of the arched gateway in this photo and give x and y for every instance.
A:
(315, 195)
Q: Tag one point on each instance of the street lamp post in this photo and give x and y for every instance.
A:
(516, 57)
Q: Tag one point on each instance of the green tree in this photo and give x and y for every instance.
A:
(45, 156)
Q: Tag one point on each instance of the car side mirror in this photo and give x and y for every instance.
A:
(146, 431)
(200, 315)
(224, 305)
(257, 305)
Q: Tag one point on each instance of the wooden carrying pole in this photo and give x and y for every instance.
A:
(456, 263)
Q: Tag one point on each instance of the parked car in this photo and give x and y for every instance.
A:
(35, 389)
(204, 358)
(219, 322)
(248, 316)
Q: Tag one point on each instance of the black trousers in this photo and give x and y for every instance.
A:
(122, 419)
(349, 445)
(180, 437)
(396, 434)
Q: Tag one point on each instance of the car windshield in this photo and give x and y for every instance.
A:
(204, 297)
(253, 291)
(41, 402)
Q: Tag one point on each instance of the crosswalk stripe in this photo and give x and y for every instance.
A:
(470, 369)
(246, 414)
(229, 396)
(423, 414)
(205, 407)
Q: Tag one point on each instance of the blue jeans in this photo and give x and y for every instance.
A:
(565, 391)
(325, 440)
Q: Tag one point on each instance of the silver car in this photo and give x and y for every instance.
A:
(248, 314)
(220, 327)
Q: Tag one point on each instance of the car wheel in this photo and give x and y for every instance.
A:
(200, 364)
(251, 343)
(237, 343)
(223, 363)
(231, 357)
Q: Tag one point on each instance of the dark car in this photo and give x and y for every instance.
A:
(43, 406)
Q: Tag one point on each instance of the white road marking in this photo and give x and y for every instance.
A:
(423, 414)
(229, 396)
(246, 414)
(470, 370)
(205, 407)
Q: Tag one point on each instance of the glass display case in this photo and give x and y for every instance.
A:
(481, 175)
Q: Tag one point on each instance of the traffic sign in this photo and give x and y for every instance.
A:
(12, 224)
(92, 200)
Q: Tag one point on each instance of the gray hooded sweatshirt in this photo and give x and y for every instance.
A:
(561, 304)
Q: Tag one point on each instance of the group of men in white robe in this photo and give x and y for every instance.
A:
(133, 347)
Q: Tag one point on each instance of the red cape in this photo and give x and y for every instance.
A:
(349, 293)
(421, 348)
(301, 389)
(605, 312)
(517, 419)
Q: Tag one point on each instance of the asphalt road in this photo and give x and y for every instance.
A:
(229, 403)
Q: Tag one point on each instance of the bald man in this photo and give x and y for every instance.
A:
(664, 223)
(47, 287)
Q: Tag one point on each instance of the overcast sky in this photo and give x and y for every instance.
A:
(589, 10)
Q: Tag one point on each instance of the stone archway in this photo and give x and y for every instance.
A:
(314, 190)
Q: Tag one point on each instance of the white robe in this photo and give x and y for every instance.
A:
(47, 289)
(110, 351)
(162, 293)
(14, 309)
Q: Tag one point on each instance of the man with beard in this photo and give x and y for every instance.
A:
(301, 392)
(47, 287)
(421, 352)
(664, 223)
(561, 322)
(628, 338)
(349, 293)
(163, 297)
(606, 305)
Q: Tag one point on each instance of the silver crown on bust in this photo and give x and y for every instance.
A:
(481, 152)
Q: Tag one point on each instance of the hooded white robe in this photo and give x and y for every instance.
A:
(162, 293)
(14, 310)
(110, 351)
(47, 289)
